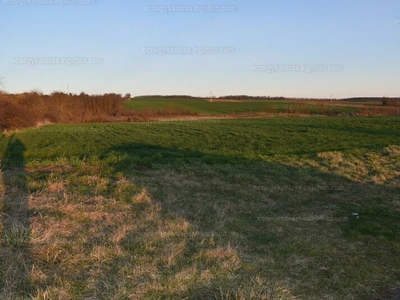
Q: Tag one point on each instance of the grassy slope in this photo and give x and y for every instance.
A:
(252, 208)
(202, 106)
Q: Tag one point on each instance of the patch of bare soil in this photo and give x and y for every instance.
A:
(43, 123)
(224, 100)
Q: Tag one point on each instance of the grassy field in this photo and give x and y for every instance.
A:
(202, 106)
(262, 208)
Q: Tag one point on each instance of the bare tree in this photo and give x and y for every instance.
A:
(1, 81)
(127, 97)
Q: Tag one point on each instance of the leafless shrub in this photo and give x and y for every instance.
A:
(27, 109)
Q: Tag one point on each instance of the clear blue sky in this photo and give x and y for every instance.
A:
(360, 36)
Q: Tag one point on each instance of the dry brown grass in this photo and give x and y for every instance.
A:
(122, 246)
(370, 111)
(379, 167)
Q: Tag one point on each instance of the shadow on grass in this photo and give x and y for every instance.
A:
(15, 257)
(316, 232)
(173, 224)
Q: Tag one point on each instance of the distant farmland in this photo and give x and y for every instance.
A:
(203, 106)
(200, 106)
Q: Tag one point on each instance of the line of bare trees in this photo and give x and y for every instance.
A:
(28, 109)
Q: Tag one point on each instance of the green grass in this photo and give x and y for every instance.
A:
(239, 209)
(200, 106)
(258, 139)
(205, 107)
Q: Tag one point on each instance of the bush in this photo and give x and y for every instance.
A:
(13, 116)
(390, 102)
(29, 109)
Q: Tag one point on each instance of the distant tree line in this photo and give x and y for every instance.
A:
(385, 100)
(167, 97)
(246, 97)
(235, 97)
